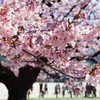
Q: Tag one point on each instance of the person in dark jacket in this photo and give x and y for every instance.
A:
(94, 91)
(90, 89)
(86, 91)
(63, 90)
(41, 86)
(46, 88)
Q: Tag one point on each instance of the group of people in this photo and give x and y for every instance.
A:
(43, 91)
(90, 90)
(58, 90)
(76, 90)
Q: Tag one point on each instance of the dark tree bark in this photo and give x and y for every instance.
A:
(18, 86)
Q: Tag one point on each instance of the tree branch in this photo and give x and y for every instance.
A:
(68, 12)
(45, 64)
(52, 75)
(78, 58)
(92, 60)
(97, 53)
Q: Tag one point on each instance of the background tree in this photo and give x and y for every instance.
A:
(54, 36)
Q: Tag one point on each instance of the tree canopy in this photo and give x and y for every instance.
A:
(55, 35)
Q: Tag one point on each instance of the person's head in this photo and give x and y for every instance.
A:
(80, 82)
(89, 83)
(76, 84)
(86, 83)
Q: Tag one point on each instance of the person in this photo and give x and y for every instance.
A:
(67, 88)
(56, 90)
(41, 86)
(32, 88)
(43, 92)
(76, 90)
(63, 90)
(46, 88)
(94, 91)
(82, 88)
(56, 87)
(86, 91)
(29, 92)
(70, 92)
(59, 88)
(89, 89)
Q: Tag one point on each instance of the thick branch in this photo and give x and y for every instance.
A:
(27, 76)
(97, 53)
(93, 60)
(77, 58)
(6, 76)
(45, 64)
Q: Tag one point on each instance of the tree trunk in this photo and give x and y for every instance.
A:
(17, 93)
(18, 86)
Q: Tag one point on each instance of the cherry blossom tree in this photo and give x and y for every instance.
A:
(55, 36)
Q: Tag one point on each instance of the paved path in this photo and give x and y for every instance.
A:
(35, 92)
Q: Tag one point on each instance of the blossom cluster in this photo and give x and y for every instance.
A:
(48, 29)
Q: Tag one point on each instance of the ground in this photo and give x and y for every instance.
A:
(51, 86)
(66, 99)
